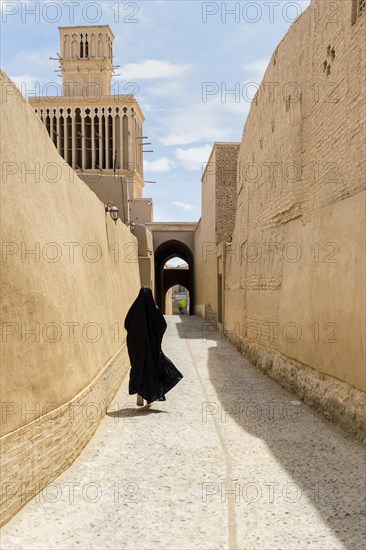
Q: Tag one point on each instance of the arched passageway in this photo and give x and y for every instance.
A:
(166, 278)
(177, 301)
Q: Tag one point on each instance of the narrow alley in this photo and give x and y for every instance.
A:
(231, 460)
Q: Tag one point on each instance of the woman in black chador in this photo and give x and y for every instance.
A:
(152, 373)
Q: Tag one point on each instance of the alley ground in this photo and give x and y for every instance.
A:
(231, 460)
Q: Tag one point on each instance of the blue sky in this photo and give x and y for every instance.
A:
(174, 51)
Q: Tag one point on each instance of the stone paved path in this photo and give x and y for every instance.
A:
(226, 462)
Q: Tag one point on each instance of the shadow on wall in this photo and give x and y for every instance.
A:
(323, 461)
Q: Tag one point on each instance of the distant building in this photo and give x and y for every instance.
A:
(177, 294)
(99, 134)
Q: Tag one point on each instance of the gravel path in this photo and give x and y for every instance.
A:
(230, 460)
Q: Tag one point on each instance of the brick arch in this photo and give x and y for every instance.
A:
(165, 279)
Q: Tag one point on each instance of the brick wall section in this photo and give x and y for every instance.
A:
(210, 316)
(226, 197)
(303, 140)
(35, 454)
(301, 180)
(334, 399)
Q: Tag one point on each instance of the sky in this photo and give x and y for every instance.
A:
(193, 65)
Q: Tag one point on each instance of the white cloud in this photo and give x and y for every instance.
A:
(166, 88)
(205, 122)
(257, 68)
(184, 206)
(160, 165)
(40, 57)
(38, 61)
(238, 103)
(145, 104)
(194, 124)
(192, 159)
(148, 69)
(31, 86)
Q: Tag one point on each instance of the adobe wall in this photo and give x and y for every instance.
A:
(111, 188)
(226, 156)
(295, 292)
(145, 255)
(205, 253)
(219, 202)
(69, 275)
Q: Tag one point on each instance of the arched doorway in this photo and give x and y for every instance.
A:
(177, 296)
(177, 301)
(168, 278)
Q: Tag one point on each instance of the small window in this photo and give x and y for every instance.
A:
(86, 46)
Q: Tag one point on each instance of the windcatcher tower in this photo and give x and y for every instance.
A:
(99, 134)
(86, 60)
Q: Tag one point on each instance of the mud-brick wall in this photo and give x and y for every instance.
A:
(294, 299)
(219, 202)
(226, 155)
(69, 275)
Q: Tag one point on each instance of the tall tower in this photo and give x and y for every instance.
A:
(98, 133)
(86, 60)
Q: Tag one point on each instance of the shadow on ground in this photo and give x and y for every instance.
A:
(126, 413)
(326, 463)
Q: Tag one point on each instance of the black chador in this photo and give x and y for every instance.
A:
(152, 373)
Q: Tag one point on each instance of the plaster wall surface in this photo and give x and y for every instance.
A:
(294, 271)
(219, 200)
(177, 231)
(205, 274)
(299, 230)
(145, 255)
(115, 188)
(68, 279)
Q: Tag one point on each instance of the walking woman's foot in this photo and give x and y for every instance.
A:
(148, 404)
(139, 401)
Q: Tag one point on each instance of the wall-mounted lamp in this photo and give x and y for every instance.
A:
(113, 210)
(150, 252)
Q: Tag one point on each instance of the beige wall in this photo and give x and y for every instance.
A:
(171, 308)
(177, 231)
(115, 188)
(205, 274)
(305, 284)
(141, 210)
(145, 255)
(169, 302)
(333, 293)
(294, 273)
(52, 291)
(37, 212)
(219, 201)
